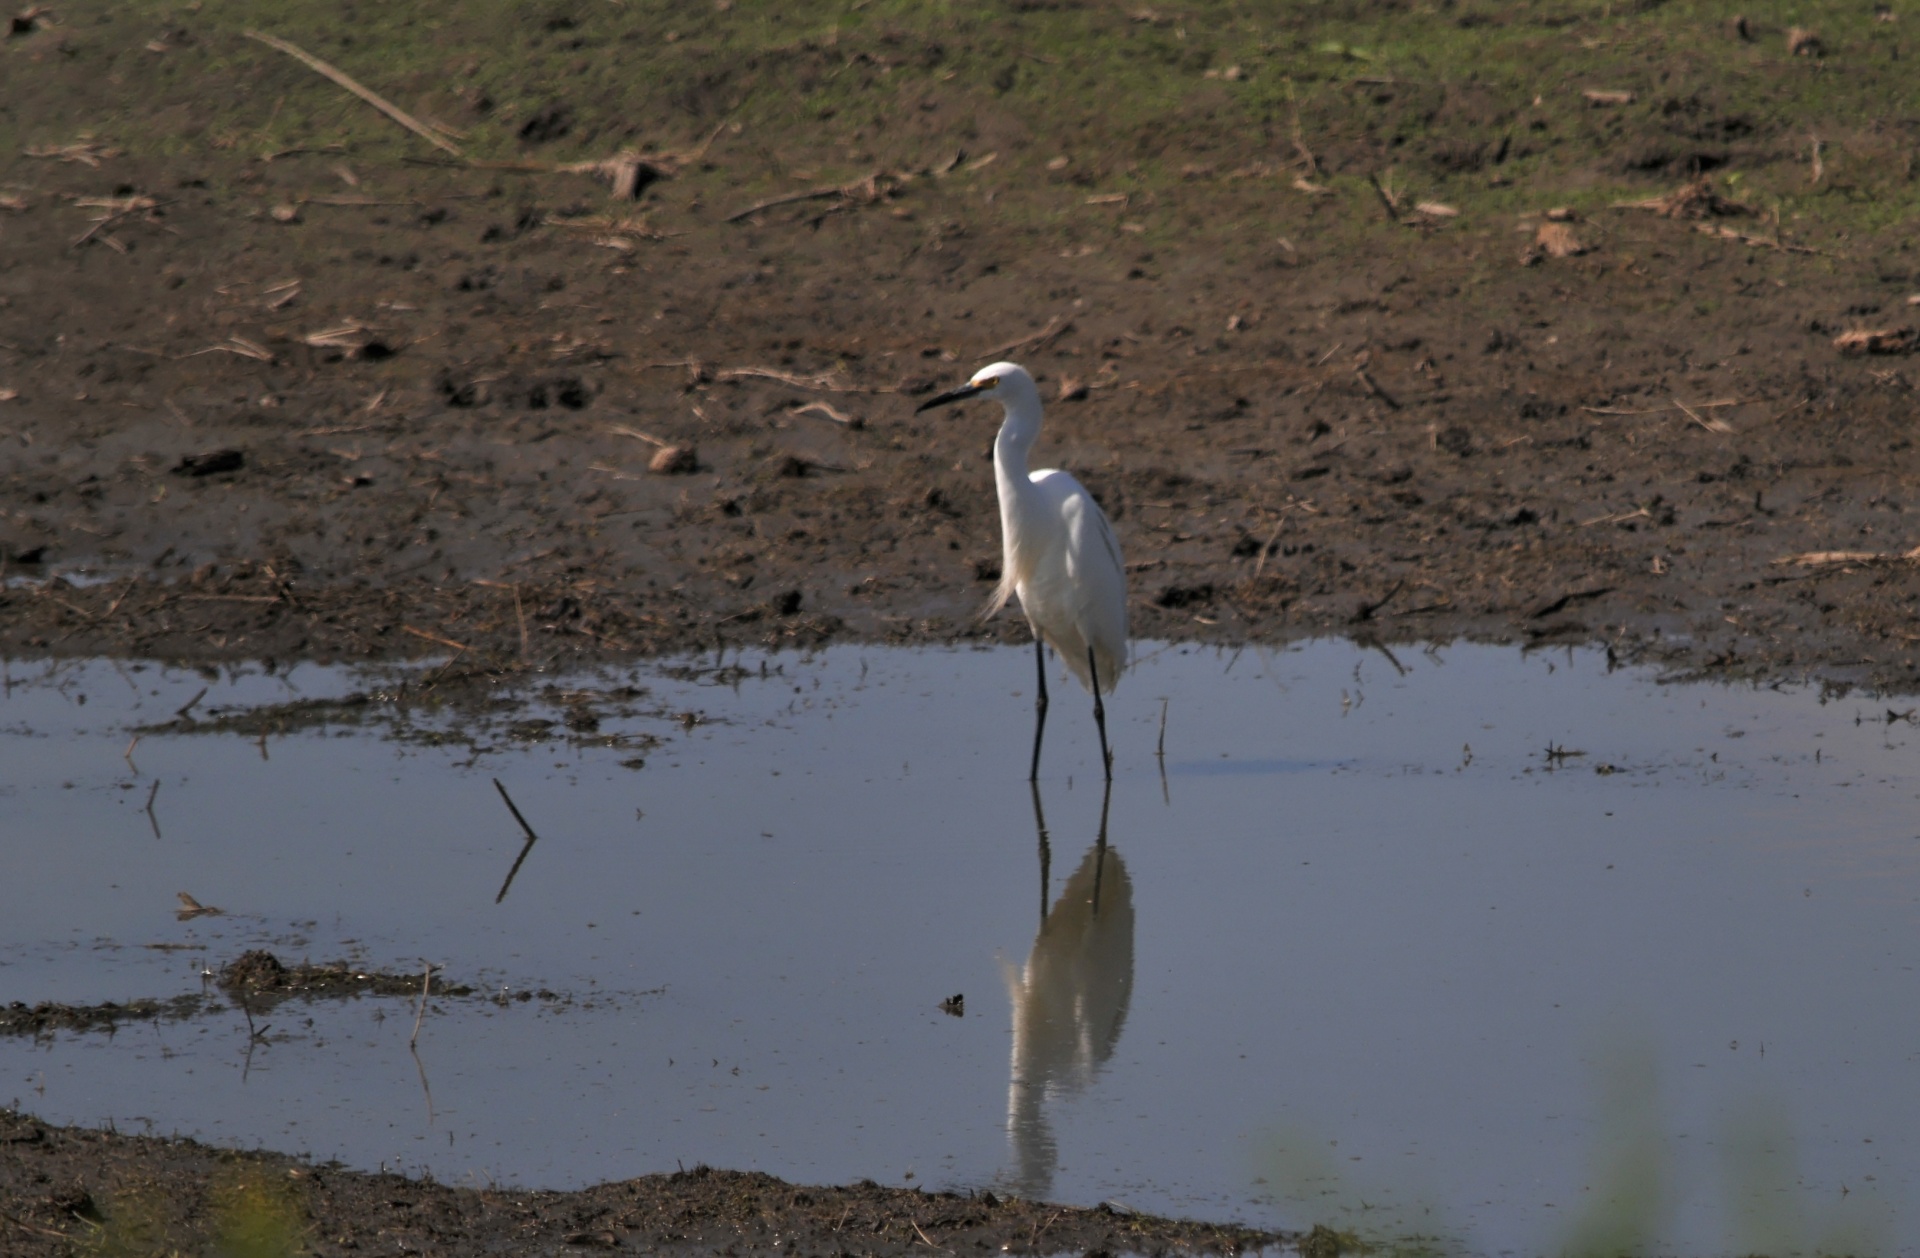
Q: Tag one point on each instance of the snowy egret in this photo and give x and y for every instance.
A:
(1058, 553)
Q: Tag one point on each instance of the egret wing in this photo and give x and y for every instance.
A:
(1097, 576)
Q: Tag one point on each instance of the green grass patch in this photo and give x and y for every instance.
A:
(1481, 106)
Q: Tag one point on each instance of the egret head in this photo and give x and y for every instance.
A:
(1007, 383)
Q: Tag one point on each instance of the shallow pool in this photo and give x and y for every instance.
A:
(1504, 950)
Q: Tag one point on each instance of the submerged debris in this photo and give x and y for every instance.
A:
(49, 1016)
(261, 974)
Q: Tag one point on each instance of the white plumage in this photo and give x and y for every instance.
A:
(1058, 552)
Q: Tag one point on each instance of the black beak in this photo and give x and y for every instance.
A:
(951, 395)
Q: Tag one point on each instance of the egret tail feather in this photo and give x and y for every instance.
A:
(1002, 593)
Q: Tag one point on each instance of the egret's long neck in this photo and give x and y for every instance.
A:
(1017, 434)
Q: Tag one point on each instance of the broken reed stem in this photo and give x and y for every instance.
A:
(25, 1226)
(520, 615)
(531, 836)
(1360, 373)
(507, 884)
(253, 1036)
(620, 430)
(1160, 749)
(435, 637)
(426, 982)
(812, 194)
(373, 98)
(1266, 547)
(1299, 140)
(1057, 327)
(1710, 424)
(831, 412)
(1387, 199)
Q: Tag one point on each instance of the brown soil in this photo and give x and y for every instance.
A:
(1430, 442)
(62, 1187)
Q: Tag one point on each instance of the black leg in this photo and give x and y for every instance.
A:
(1046, 850)
(1100, 857)
(1100, 715)
(1039, 707)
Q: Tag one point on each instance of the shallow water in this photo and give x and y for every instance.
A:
(1367, 953)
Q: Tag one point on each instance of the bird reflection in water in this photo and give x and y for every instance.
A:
(1070, 1000)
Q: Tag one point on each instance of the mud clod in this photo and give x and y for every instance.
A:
(48, 1017)
(547, 124)
(675, 461)
(260, 975)
(211, 463)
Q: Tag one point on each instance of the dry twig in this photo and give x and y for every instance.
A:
(426, 983)
(1388, 198)
(1057, 327)
(1901, 340)
(1690, 200)
(1710, 423)
(1747, 238)
(236, 345)
(824, 382)
(86, 151)
(373, 98)
(117, 208)
(860, 192)
(1821, 558)
(434, 637)
(832, 412)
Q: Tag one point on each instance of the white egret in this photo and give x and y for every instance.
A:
(1058, 553)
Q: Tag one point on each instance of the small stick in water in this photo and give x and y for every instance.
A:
(515, 811)
(426, 981)
(532, 838)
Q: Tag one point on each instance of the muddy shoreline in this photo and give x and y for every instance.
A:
(1290, 443)
(66, 1188)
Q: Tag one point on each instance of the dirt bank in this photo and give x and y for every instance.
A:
(65, 1190)
(332, 402)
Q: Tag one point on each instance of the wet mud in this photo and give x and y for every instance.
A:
(65, 1188)
(46, 1017)
(477, 707)
(259, 978)
(255, 981)
(1305, 416)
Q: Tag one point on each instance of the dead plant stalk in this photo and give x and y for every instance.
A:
(373, 98)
